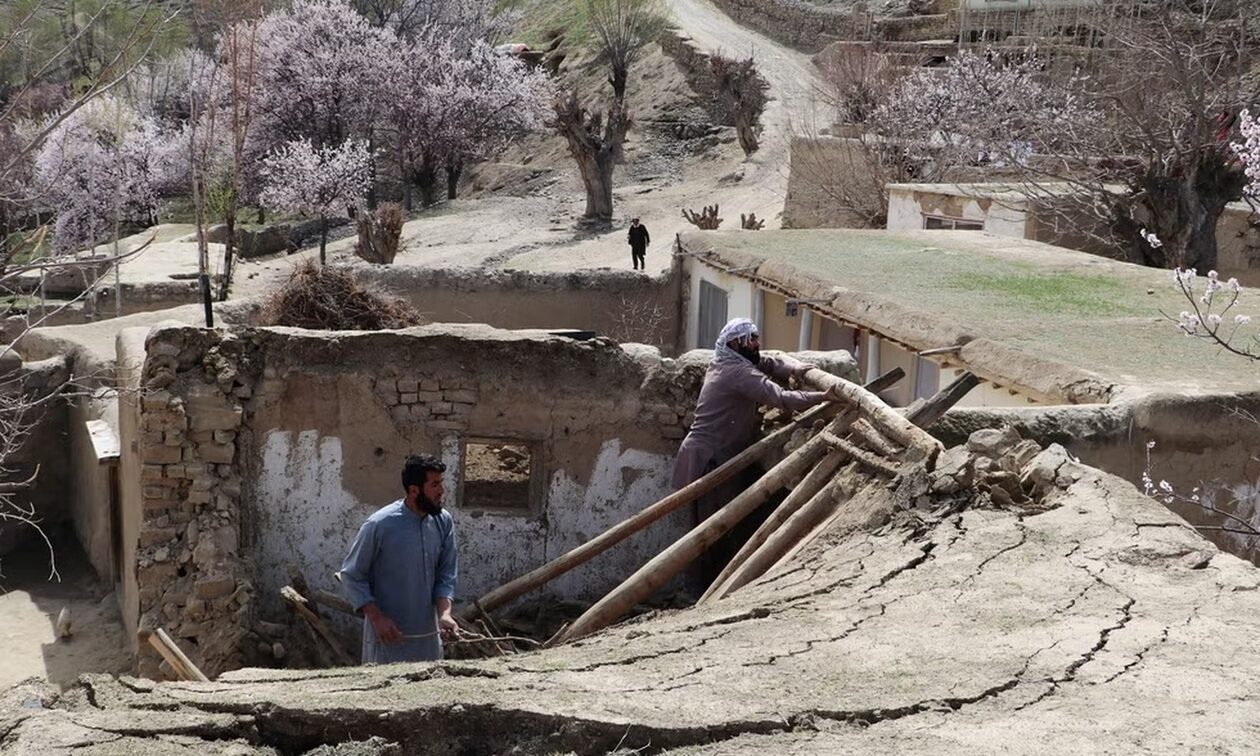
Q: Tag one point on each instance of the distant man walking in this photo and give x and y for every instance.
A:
(401, 570)
(726, 421)
(639, 240)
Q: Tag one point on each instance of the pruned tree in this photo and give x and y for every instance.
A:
(449, 109)
(379, 233)
(595, 141)
(751, 222)
(742, 97)
(706, 220)
(325, 181)
(622, 28)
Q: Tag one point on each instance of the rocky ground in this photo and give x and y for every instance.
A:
(930, 620)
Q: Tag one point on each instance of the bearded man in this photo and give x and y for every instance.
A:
(726, 421)
(401, 570)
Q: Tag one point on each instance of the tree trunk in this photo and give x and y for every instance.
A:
(426, 179)
(452, 180)
(595, 143)
(323, 239)
(597, 178)
(262, 214)
(747, 133)
(229, 246)
(618, 81)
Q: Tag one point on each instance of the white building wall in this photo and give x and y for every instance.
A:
(739, 302)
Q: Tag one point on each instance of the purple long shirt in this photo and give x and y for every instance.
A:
(726, 418)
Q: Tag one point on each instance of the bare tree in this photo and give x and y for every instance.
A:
(622, 29)
(595, 140)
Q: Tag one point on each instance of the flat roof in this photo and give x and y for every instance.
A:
(1059, 323)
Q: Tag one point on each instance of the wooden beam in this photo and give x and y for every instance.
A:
(664, 566)
(175, 657)
(803, 492)
(562, 564)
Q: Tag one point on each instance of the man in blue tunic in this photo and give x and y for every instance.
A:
(401, 571)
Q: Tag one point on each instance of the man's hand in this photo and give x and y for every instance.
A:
(386, 631)
(448, 627)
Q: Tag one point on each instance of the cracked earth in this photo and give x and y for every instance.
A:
(1099, 623)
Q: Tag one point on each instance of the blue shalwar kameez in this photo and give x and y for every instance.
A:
(404, 562)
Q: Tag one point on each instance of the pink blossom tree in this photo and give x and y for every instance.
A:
(1142, 141)
(300, 177)
(103, 165)
(1248, 152)
(449, 109)
(322, 74)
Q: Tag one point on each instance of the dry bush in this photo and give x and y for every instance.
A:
(332, 299)
(380, 233)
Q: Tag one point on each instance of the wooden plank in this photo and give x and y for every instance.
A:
(175, 656)
(540, 576)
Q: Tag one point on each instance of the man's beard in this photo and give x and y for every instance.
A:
(427, 506)
(750, 354)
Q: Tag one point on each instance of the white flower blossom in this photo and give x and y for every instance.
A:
(1151, 239)
(1242, 319)
(1214, 320)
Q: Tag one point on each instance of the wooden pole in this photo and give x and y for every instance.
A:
(298, 602)
(800, 522)
(664, 566)
(778, 535)
(540, 576)
(175, 657)
(885, 419)
(803, 492)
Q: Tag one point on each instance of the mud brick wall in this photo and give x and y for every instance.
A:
(264, 450)
(193, 579)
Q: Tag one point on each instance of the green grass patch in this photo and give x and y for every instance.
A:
(1035, 292)
(540, 18)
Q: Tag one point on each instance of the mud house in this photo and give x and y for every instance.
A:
(1074, 348)
(1041, 215)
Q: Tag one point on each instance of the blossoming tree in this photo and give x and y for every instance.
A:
(325, 181)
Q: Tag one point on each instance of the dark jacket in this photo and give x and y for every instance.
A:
(638, 237)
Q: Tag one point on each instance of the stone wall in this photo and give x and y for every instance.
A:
(625, 306)
(811, 26)
(263, 450)
(191, 576)
(796, 23)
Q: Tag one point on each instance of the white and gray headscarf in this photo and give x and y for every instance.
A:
(739, 330)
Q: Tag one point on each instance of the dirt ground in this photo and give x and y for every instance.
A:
(30, 604)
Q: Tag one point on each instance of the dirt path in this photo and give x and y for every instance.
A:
(536, 232)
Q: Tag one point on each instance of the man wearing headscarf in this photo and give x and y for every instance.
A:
(737, 382)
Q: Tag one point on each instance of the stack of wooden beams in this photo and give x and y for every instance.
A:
(858, 429)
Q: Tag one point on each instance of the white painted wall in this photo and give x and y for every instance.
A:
(907, 207)
(306, 518)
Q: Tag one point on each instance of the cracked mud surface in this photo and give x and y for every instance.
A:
(1098, 625)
